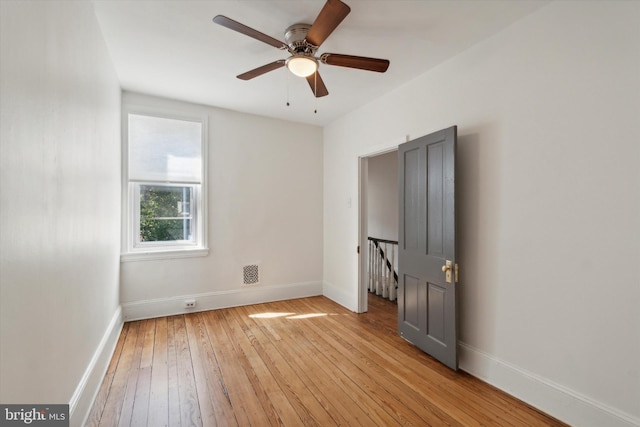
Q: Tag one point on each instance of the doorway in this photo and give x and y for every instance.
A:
(378, 225)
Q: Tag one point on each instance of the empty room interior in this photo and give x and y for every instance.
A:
(233, 271)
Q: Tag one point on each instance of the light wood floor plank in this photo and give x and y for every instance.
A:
(143, 386)
(300, 362)
(126, 415)
(207, 411)
(159, 389)
(189, 407)
(172, 372)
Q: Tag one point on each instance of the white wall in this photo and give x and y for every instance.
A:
(382, 196)
(548, 115)
(265, 207)
(60, 203)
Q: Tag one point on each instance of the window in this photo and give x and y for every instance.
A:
(164, 176)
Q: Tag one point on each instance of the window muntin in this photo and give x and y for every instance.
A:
(165, 173)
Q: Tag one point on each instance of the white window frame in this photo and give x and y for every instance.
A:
(132, 249)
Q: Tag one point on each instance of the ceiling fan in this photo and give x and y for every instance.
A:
(302, 42)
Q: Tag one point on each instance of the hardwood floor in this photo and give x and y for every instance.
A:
(301, 362)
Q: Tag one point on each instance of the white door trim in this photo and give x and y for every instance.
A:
(363, 176)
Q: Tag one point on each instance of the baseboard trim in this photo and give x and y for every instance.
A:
(558, 401)
(149, 309)
(86, 391)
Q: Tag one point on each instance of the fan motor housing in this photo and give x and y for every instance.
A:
(295, 37)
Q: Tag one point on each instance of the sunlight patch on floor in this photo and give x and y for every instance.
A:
(273, 315)
(270, 315)
(307, 316)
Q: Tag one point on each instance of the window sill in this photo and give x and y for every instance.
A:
(164, 254)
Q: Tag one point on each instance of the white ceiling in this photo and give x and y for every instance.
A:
(173, 49)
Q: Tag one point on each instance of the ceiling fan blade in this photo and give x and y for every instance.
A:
(248, 31)
(331, 15)
(261, 70)
(359, 62)
(317, 85)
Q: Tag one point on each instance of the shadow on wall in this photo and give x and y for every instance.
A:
(477, 220)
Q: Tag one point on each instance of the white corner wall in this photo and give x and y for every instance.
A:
(548, 115)
(60, 203)
(264, 207)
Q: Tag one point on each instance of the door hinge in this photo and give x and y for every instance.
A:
(358, 250)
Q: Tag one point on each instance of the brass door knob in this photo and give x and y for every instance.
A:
(446, 268)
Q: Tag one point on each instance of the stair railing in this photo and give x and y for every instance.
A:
(383, 277)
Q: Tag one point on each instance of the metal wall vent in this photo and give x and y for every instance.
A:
(251, 274)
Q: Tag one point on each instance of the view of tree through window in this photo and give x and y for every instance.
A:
(165, 213)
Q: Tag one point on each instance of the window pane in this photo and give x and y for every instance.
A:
(163, 149)
(166, 213)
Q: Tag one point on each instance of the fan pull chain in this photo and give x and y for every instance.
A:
(315, 92)
(288, 77)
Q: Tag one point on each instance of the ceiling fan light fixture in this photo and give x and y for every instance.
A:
(302, 65)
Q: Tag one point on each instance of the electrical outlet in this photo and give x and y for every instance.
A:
(190, 303)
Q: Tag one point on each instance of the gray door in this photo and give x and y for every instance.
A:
(427, 252)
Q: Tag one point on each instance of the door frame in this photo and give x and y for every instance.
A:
(363, 218)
